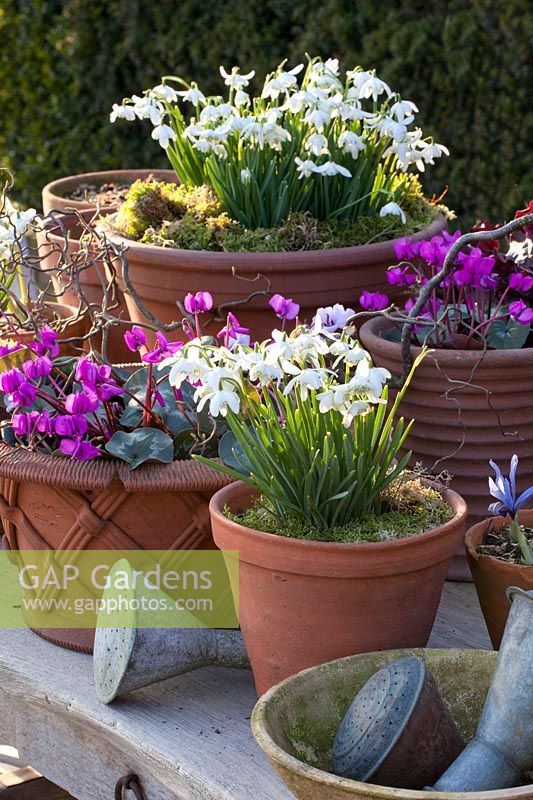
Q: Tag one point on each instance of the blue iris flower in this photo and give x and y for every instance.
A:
(504, 491)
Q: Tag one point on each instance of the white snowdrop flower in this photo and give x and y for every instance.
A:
(166, 93)
(351, 143)
(305, 168)
(148, 108)
(330, 168)
(192, 95)
(306, 379)
(245, 175)
(403, 111)
(241, 98)
(187, 369)
(433, 151)
(164, 135)
(393, 209)
(356, 408)
(318, 117)
(122, 112)
(373, 87)
(220, 402)
(295, 102)
(369, 379)
(317, 144)
(395, 130)
(234, 80)
(358, 77)
(332, 318)
(281, 83)
(334, 398)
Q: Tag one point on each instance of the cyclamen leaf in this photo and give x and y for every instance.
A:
(507, 335)
(144, 444)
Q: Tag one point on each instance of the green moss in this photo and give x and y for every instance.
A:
(168, 215)
(407, 509)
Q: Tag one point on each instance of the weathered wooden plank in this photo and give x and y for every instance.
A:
(187, 738)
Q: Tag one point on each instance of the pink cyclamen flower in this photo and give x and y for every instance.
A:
(198, 303)
(521, 282)
(284, 307)
(163, 349)
(401, 276)
(79, 450)
(521, 313)
(25, 395)
(38, 368)
(135, 339)
(233, 332)
(373, 301)
(74, 425)
(25, 424)
(11, 380)
(81, 403)
(46, 343)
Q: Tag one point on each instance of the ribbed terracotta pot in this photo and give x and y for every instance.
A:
(51, 243)
(492, 576)
(469, 406)
(53, 503)
(303, 603)
(55, 193)
(161, 276)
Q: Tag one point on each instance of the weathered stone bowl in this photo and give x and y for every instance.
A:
(295, 722)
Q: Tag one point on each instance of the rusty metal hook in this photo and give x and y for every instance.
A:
(129, 782)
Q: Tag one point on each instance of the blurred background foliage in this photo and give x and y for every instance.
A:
(465, 63)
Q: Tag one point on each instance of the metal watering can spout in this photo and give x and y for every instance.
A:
(503, 746)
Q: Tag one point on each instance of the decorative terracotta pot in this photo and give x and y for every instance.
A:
(55, 194)
(53, 503)
(492, 576)
(51, 243)
(161, 276)
(295, 723)
(469, 406)
(304, 603)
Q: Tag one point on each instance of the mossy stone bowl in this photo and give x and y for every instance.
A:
(296, 721)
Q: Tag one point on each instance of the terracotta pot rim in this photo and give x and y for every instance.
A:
(477, 534)
(227, 493)
(310, 260)
(56, 187)
(277, 754)
(22, 465)
(370, 338)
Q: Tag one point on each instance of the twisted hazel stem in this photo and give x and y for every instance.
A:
(436, 280)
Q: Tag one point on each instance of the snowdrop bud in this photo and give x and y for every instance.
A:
(393, 209)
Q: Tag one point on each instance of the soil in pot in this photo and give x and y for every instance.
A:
(52, 503)
(305, 602)
(243, 266)
(469, 407)
(494, 566)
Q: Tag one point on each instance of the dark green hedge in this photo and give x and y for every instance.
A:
(466, 63)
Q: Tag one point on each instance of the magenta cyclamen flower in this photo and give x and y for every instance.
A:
(135, 339)
(24, 396)
(73, 426)
(284, 307)
(11, 380)
(81, 403)
(46, 343)
(198, 303)
(38, 368)
(521, 282)
(373, 301)
(79, 450)
(34, 421)
(234, 333)
(400, 276)
(164, 349)
(521, 313)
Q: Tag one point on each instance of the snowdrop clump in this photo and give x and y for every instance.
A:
(336, 145)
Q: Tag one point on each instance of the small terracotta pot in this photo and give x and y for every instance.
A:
(313, 278)
(62, 311)
(53, 503)
(303, 603)
(51, 242)
(469, 406)
(55, 194)
(492, 576)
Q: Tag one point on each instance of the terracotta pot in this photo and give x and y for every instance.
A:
(161, 276)
(49, 502)
(303, 602)
(51, 242)
(55, 194)
(492, 577)
(60, 311)
(295, 722)
(468, 406)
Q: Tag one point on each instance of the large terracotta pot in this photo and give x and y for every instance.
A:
(161, 276)
(295, 723)
(55, 194)
(51, 243)
(469, 406)
(53, 503)
(304, 603)
(492, 576)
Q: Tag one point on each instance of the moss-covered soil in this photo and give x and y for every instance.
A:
(174, 216)
(408, 508)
